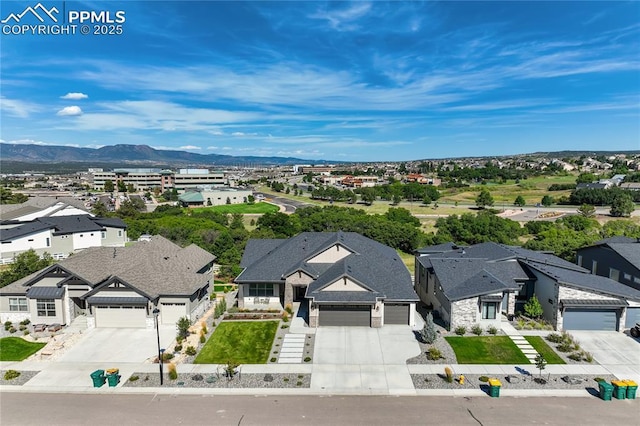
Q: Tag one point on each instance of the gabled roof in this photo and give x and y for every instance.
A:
(157, 267)
(373, 265)
(439, 248)
(36, 204)
(626, 247)
(586, 281)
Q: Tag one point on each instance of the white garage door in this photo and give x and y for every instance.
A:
(121, 316)
(170, 313)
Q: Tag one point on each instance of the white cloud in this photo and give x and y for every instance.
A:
(17, 108)
(27, 142)
(70, 111)
(76, 96)
(191, 147)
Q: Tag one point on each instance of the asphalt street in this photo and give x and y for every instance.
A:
(135, 409)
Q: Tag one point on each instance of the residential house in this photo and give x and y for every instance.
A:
(59, 236)
(619, 259)
(36, 207)
(345, 278)
(477, 284)
(115, 286)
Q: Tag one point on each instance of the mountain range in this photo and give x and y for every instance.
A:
(135, 154)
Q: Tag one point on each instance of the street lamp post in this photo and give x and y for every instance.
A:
(156, 311)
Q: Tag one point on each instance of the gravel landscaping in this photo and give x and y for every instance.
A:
(449, 356)
(23, 378)
(213, 381)
(436, 381)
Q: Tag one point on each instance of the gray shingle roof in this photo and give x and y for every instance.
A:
(372, 264)
(586, 281)
(629, 251)
(593, 303)
(35, 204)
(96, 300)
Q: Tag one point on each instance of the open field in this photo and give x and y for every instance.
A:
(257, 208)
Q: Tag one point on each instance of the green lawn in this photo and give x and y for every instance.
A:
(545, 350)
(242, 342)
(256, 208)
(486, 350)
(17, 349)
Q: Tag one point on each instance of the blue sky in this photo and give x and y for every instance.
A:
(349, 81)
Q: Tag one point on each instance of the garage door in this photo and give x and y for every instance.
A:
(345, 315)
(121, 316)
(590, 319)
(633, 316)
(172, 312)
(396, 314)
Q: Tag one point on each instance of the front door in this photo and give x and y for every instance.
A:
(298, 293)
(78, 306)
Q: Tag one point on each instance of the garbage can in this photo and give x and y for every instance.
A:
(113, 377)
(98, 378)
(632, 387)
(494, 388)
(619, 389)
(606, 390)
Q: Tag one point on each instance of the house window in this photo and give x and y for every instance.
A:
(579, 260)
(261, 290)
(48, 242)
(46, 307)
(636, 280)
(614, 274)
(119, 232)
(104, 234)
(627, 277)
(489, 310)
(594, 267)
(17, 304)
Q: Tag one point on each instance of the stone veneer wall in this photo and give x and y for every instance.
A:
(464, 312)
(571, 293)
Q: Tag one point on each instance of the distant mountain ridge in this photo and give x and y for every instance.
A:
(134, 154)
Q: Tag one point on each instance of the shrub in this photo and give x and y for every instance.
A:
(273, 359)
(492, 330)
(289, 309)
(434, 354)
(565, 347)
(576, 356)
(11, 374)
(7, 324)
(204, 327)
(25, 333)
(173, 371)
(191, 351)
(202, 338)
(177, 348)
(12, 330)
(25, 322)
(285, 317)
(307, 359)
(179, 339)
(554, 338)
(183, 325)
(284, 326)
(448, 372)
(134, 378)
(213, 296)
(533, 308)
(22, 327)
(428, 334)
(286, 379)
(587, 356)
(460, 330)
(476, 329)
(167, 356)
(483, 379)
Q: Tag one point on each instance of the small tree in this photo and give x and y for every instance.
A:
(183, 325)
(428, 334)
(541, 363)
(108, 186)
(533, 308)
(484, 199)
(587, 210)
(519, 201)
(622, 206)
(547, 200)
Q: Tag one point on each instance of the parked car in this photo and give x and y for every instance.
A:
(55, 327)
(635, 330)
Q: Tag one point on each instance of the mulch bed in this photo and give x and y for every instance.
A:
(472, 381)
(270, 380)
(24, 377)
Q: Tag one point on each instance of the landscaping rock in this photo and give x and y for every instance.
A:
(513, 379)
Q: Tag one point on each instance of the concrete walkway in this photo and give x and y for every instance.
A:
(520, 341)
(292, 348)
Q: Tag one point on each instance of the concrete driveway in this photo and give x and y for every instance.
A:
(363, 360)
(131, 345)
(618, 352)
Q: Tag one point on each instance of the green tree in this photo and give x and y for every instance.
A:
(587, 210)
(533, 308)
(547, 200)
(228, 200)
(24, 264)
(282, 225)
(428, 334)
(130, 188)
(402, 215)
(99, 209)
(108, 186)
(7, 197)
(622, 206)
(519, 201)
(368, 195)
(251, 199)
(586, 178)
(541, 363)
(484, 199)
(121, 186)
(621, 227)
(396, 199)
(183, 325)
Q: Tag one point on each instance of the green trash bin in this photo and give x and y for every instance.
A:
(494, 388)
(619, 389)
(113, 379)
(98, 378)
(632, 387)
(606, 390)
